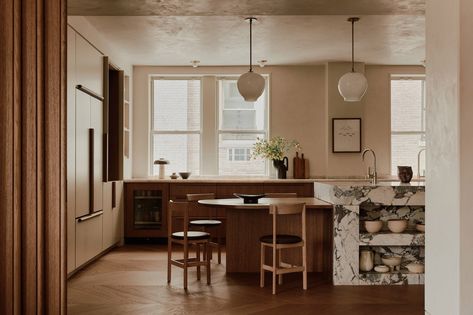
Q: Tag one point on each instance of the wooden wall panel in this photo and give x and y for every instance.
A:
(32, 158)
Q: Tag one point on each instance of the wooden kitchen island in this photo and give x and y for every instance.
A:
(246, 223)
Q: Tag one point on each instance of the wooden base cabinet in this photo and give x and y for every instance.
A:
(146, 210)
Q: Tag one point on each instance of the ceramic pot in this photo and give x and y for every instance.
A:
(373, 226)
(397, 225)
(282, 167)
(366, 260)
(404, 173)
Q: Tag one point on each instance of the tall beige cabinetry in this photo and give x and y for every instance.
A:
(94, 206)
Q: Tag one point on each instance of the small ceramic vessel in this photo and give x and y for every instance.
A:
(393, 261)
(381, 268)
(397, 225)
(420, 227)
(373, 226)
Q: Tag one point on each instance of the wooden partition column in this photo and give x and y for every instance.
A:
(32, 156)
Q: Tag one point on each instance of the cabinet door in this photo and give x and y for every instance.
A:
(89, 66)
(96, 123)
(108, 222)
(88, 239)
(82, 122)
(118, 212)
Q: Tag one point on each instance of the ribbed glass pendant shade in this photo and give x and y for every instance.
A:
(251, 86)
(352, 86)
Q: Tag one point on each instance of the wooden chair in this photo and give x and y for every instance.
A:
(186, 238)
(278, 242)
(280, 195)
(209, 224)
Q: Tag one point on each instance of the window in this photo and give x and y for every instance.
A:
(240, 123)
(239, 154)
(407, 122)
(175, 125)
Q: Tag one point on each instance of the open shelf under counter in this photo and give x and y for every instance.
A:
(389, 278)
(387, 238)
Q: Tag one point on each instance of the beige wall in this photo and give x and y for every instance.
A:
(449, 198)
(301, 107)
(377, 111)
(296, 108)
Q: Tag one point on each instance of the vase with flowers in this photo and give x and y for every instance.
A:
(275, 149)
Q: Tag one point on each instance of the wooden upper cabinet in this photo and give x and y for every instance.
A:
(89, 66)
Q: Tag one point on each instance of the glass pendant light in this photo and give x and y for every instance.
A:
(251, 84)
(352, 85)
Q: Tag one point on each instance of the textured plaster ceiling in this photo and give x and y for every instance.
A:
(246, 7)
(174, 32)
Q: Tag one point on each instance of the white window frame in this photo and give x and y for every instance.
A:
(420, 77)
(219, 131)
(153, 131)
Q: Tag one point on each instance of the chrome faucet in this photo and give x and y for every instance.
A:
(418, 162)
(373, 176)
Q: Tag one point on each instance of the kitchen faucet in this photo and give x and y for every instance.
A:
(374, 175)
(418, 162)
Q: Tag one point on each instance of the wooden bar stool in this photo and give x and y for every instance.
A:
(186, 238)
(209, 224)
(278, 242)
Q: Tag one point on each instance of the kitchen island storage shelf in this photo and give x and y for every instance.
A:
(356, 202)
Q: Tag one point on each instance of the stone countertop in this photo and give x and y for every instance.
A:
(383, 193)
(339, 181)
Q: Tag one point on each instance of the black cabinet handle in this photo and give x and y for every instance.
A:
(91, 170)
(90, 92)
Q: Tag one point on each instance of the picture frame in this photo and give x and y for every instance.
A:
(346, 135)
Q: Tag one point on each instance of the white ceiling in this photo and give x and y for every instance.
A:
(394, 35)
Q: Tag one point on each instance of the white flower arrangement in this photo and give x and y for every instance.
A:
(274, 148)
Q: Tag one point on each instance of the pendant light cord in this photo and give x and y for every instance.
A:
(251, 48)
(352, 45)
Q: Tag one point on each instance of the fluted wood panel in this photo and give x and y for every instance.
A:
(32, 156)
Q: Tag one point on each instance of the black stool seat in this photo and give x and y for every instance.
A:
(281, 239)
(205, 222)
(191, 235)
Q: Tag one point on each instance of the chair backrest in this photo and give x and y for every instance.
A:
(287, 209)
(281, 195)
(197, 197)
(195, 207)
(178, 208)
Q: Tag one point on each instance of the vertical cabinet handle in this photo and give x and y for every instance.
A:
(114, 195)
(91, 170)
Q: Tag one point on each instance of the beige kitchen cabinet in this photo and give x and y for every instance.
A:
(112, 213)
(88, 237)
(89, 148)
(89, 66)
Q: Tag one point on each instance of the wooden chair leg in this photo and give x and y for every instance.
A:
(274, 270)
(197, 253)
(186, 259)
(279, 265)
(219, 246)
(304, 264)
(169, 260)
(206, 248)
(261, 279)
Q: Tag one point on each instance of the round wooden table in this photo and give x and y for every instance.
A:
(245, 227)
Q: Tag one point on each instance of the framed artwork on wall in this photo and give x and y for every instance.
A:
(346, 135)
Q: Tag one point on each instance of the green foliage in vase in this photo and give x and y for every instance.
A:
(274, 148)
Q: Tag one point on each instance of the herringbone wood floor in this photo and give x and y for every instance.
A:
(132, 280)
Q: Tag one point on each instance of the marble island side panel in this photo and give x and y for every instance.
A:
(353, 202)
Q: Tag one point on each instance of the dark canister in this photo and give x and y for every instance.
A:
(404, 173)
